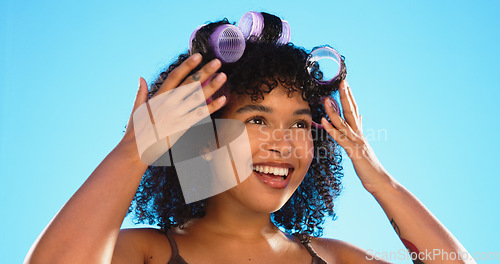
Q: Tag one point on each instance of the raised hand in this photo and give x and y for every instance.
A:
(178, 103)
(348, 134)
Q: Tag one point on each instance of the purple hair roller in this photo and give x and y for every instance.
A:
(285, 33)
(329, 55)
(251, 24)
(193, 35)
(228, 43)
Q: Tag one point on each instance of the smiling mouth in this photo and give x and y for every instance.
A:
(273, 173)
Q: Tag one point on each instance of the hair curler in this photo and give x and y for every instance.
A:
(194, 35)
(252, 24)
(227, 42)
(285, 33)
(324, 53)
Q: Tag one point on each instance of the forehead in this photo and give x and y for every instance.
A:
(279, 98)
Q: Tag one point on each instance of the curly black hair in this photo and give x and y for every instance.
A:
(263, 66)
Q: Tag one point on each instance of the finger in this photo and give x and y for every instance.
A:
(338, 136)
(351, 97)
(214, 85)
(199, 113)
(347, 106)
(140, 98)
(179, 73)
(195, 98)
(181, 94)
(204, 73)
(340, 124)
(216, 104)
(142, 93)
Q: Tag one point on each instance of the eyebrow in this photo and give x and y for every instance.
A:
(252, 108)
(265, 109)
(303, 111)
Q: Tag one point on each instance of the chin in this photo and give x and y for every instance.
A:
(258, 196)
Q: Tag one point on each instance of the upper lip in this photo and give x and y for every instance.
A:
(275, 164)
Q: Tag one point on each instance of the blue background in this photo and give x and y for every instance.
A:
(425, 76)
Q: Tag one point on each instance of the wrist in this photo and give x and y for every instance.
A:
(127, 151)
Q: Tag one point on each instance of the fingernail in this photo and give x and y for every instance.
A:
(139, 85)
(346, 85)
(196, 57)
(336, 107)
(221, 99)
(333, 105)
(220, 77)
(214, 63)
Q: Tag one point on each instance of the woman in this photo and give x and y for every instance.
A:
(270, 91)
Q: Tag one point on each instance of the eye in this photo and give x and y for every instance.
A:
(258, 120)
(301, 124)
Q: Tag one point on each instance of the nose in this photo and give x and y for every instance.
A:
(280, 143)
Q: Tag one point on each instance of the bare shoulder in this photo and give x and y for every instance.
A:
(141, 245)
(338, 251)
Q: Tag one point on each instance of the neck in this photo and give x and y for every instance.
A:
(225, 216)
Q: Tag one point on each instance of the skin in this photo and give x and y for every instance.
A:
(237, 227)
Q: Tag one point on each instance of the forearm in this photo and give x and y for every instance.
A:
(419, 230)
(416, 226)
(86, 228)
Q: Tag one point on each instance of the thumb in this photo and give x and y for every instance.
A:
(142, 94)
(140, 98)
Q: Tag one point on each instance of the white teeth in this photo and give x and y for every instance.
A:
(271, 170)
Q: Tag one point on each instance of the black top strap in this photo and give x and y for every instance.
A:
(175, 258)
(316, 258)
(305, 239)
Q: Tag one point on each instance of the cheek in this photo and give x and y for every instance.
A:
(300, 140)
(258, 138)
(304, 146)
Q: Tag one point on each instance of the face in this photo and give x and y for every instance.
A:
(279, 131)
